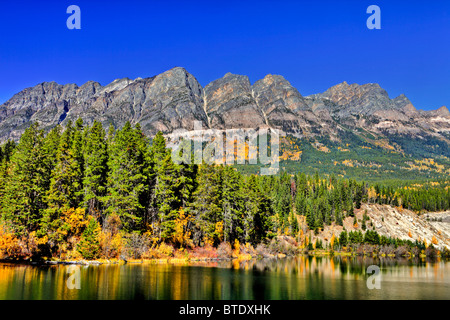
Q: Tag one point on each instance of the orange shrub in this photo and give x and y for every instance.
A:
(206, 252)
(9, 244)
(111, 244)
(434, 240)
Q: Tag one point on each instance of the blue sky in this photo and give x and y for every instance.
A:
(313, 44)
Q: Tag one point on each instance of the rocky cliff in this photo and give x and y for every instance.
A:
(394, 222)
(175, 99)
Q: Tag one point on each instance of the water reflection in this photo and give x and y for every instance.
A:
(284, 279)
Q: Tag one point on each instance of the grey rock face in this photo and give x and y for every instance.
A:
(285, 108)
(46, 103)
(230, 104)
(174, 100)
(370, 99)
(370, 108)
(166, 102)
(442, 112)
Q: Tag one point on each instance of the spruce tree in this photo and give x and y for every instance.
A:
(343, 238)
(207, 204)
(62, 193)
(293, 224)
(24, 197)
(232, 204)
(95, 170)
(310, 217)
(167, 195)
(77, 149)
(127, 180)
(300, 204)
(255, 212)
(89, 245)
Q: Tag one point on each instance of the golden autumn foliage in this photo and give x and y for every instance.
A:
(372, 194)
(152, 233)
(165, 250)
(9, 244)
(219, 231)
(332, 240)
(434, 240)
(73, 222)
(111, 244)
(68, 231)
(237, 248)
(208, 241)
(426, 165)
(111, 239)
(348, 163)
(182, 236)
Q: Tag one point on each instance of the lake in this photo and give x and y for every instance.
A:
(298, 278)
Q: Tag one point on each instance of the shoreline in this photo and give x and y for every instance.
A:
(319, 253)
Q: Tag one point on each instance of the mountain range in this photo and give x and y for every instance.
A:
(174, 99)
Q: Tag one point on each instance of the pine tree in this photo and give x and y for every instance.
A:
(77, 149)
(256, 212)
(167, 185)
(293, 224)
(89, 245)
(96, 170)
(300, 204)
(364, 219)
(358, 197)
(24, 198)
(351, 210)
(6, 151)
(232, 205)
(187, 175)
(207, 204)
(343, 238)
(318, 221)
(62, 193)
(310, 217)
(158, 148)
(167, 195)
(127, 180)
(282, 199)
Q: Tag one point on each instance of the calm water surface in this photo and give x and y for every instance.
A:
(285, 279)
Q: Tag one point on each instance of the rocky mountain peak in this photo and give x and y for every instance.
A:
(403, 103)
(90, 88)
(229, 103)
(282, 106)
(176, 78)
(116, 85)
(343, 93)
(274, 92)
(346, 100)
(443, 111)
